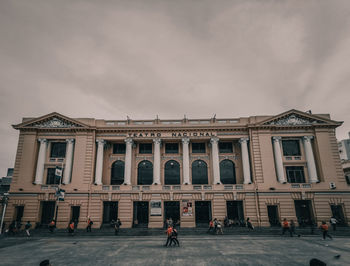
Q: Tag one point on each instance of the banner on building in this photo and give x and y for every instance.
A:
(186, 208)
(156, 208)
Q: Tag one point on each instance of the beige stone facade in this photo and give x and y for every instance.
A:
(267, 183)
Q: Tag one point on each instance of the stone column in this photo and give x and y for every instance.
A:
(156, 160)
(245, 160)
(39, 175)
(69, 162)
(99, 162)
(215, 159)
(309, 154)
(186, 161)
(128, 157)
(278, 160)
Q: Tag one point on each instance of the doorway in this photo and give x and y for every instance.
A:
(338, 213)
(19, 213)
(47, 211)
(272, 211)
(110, 211)
(75, 211)
(172, 210)
(140, 214)
(235, 212)
(203, 213)
(303, 210)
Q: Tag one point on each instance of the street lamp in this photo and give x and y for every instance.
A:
(4, 201)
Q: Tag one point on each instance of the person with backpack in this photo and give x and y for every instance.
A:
(324, 229)
(174, 238)
(249, 224)
(89, 224)
(27, 227)
(52, 226)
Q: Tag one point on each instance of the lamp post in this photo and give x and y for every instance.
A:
(4, 204)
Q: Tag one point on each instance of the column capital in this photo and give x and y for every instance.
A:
(70, 140)
(277, 138)
(100, 141)
(42, 141)
(214, 140)
(308, 138)
(129, 141)
(243, 140)
(157, 141)
(185, 141)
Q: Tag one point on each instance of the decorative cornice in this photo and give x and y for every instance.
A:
(54, 122)
(294, 120)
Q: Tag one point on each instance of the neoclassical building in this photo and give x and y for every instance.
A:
(143, 171)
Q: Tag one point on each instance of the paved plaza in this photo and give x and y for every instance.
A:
(194, 250)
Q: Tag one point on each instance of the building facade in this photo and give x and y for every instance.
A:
(344, 151)
(143, 171)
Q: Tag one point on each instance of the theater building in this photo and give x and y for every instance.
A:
(143, 171)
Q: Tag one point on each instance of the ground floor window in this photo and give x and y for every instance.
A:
(272, 211)
(47, 211)
(338, 214)
(203, 213)
(304, 213)
(235, 212)
(140, 218)
(110, 211)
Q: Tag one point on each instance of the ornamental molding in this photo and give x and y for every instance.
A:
(54, 122)
(294, 120)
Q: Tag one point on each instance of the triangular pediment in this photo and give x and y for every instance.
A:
(298, 118)
(51, 121)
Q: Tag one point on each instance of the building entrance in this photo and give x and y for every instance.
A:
(110, 211)
(172, 210)
(75, 214)
(203, 213)
(19, 213)
(140, 213)
(337, 213)
(303, 210)
(235, 212)
(272, 211)
(47, 211)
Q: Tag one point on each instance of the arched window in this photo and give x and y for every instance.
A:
(227, 172)
(172, 173)
(199, 172)
(117, 173)
(145, 173)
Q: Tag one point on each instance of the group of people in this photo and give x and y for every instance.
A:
(15, 228)
(216, 226)
(171, 236)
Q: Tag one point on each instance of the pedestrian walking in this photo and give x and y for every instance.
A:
(249, 224)
(71, 228)
(211, 227)
(89, 224)
(52, 226)
(169, 232)
(285, 227)
(292, 228)
(27, 228)
(324, 229)
(117, 224)
(12, 228)
(215, 225)
(219, 228)
(174, 238)
(333, 222)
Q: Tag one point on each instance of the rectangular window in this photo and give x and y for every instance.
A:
(225, 147)
(198, 147)
(291, 147)
(119, 148)
(347, 178)
(52, 179)
(295, 174)
(145, 148)
(58, 150)
(171, 148)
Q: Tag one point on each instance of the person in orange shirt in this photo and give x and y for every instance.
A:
(324, 228)
(285, 227)
(169, 232)
(71, 228)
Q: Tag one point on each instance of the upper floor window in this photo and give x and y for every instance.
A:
(347, 178)
(199, 172)
(58, 150)
(172, 173)
(198, 147)
(145, 148)
(225, 147)
(295, 174)
(117, 173)
(119, 148)
(291, 147)
(227, 172)
(51, 178)
(145, 173)
(171, 148)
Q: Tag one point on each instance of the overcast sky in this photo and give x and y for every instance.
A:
(109, 59)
